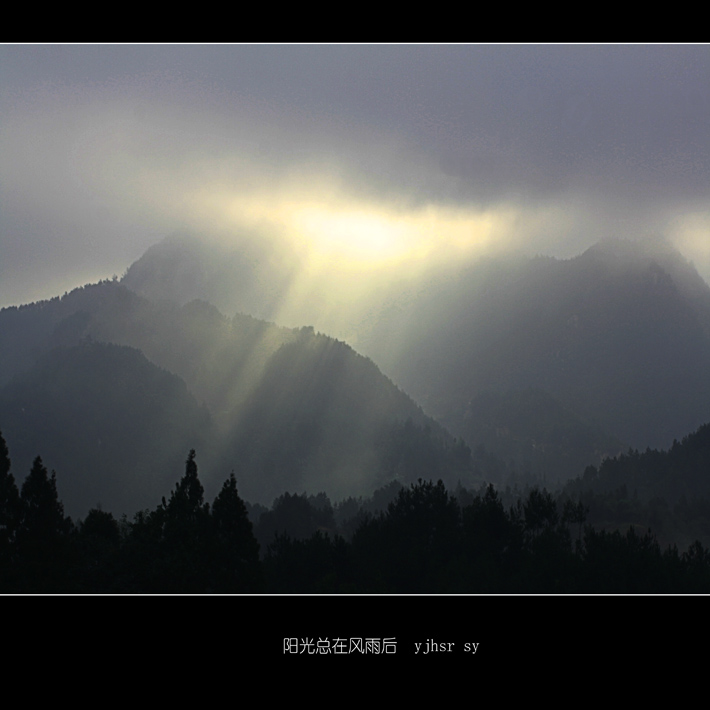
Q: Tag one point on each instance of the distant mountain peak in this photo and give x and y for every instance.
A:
(639, 255)
(650, 247)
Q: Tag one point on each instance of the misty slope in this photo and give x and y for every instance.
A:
(286, 409)
(322, 415)
(618, 336)
(615, 342)
(680, 472)
(667, 491)
(214, 355)
(114, 426)
(182, 268)
(533, 430)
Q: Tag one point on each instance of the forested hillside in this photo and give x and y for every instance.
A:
(543, 369)
(426, 540)
(113, 423)
(617, 338)
(550, 364)
(114, 388)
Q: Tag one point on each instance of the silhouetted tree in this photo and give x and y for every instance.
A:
(98, 542)
(492, 543)
(185, 534)
(540, 512)
(575, 514)
(10, 510)
(410, 548)
(295, 516)
(187, 500)
(235, 565)
(42, 536)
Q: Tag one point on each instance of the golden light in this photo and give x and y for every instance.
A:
(690, 232)
(345, 235)
(355, 236)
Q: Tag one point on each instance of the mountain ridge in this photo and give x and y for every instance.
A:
(229, 370)
(618, 335)
(549, 364)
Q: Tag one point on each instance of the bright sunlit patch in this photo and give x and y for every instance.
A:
(691, 231)
(351, 234)
(338, 234)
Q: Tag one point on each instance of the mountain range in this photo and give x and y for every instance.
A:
(537, 366)
(113, 389)
(548, 362)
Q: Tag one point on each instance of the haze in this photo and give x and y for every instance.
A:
(355, 166)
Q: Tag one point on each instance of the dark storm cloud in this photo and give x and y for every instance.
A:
(102, 144)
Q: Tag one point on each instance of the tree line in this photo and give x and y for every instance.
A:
(184, 545)
(431, 541)
(424, 540)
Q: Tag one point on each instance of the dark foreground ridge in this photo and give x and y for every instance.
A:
(425, 541)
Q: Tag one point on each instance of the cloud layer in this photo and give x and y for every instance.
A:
(349, 154)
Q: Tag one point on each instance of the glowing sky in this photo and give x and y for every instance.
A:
(365, 160)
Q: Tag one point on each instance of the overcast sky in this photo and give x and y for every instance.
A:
(379, 153)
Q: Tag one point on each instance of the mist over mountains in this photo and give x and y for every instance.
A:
(368, 331)
(113, 388)
(538, 367)
(618, 336)
(546, 361)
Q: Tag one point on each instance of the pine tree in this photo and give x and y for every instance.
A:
(236, 566)
(42, 511)
(185, 535)
(187, 500)
(42, 535)
(9, 518)
(9, 498)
